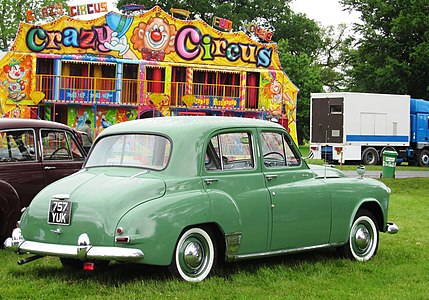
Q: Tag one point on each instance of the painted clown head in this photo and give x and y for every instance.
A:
(156, 36)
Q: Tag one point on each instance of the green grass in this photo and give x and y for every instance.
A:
(399, 271)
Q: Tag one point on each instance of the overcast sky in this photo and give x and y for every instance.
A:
(327, 12)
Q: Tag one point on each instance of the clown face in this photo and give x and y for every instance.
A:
(157, 35)
(15, 72)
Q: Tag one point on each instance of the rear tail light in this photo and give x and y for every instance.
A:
(314, 148)
(88, 266)
(119, 230)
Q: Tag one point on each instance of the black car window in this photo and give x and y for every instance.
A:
(277, 151)
(17, 145)
(230, 151)
(77, 153)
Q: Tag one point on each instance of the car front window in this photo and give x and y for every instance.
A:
(134, 150)
(276, 150)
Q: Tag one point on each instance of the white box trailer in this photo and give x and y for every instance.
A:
(358, 126)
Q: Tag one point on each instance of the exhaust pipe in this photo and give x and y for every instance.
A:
(29, 259)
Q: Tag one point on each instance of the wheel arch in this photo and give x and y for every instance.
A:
(375, 209)
(174, 214)
(10, 207)
(217, 235)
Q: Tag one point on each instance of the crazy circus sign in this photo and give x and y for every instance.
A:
(154, 36)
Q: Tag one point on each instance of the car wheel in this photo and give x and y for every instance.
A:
(424, 158)
(370, 156)
(363, 237)
(194, 256)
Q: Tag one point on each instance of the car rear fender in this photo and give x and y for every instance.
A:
(225, 212)
(155, 226)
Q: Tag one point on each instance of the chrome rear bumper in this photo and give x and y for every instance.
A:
(83, 250)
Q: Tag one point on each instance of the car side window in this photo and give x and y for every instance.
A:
(230, 151)
(59, 145)
(277, 151)
(17, 145)
(75, 150)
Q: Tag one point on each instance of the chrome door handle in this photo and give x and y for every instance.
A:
(270, 177)
(209, 181)
(49, 168)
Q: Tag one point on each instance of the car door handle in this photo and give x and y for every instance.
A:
(209, 181)
(270, 177)
(49, 168)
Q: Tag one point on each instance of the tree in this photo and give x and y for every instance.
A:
(392, 55)
(333, 58)
(307, 76)
(238, 11)
(12, 12)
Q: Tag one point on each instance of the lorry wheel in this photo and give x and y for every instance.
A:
(370, 156)
(424, 158)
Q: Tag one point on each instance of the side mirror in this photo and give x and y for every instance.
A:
(361, 170)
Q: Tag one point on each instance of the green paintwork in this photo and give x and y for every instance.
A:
(303, 206)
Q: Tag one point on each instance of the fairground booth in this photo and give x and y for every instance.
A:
(121, 67)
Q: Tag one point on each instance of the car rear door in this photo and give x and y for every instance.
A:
(236, 188)
(61, 154)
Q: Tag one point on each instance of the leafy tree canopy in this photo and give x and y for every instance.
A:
(13, 11)
(392, 55)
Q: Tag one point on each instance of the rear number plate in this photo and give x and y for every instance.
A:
(59, 212)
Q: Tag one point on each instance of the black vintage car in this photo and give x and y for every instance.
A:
(33, 153)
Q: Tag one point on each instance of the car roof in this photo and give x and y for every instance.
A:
(187, 133)
(10, 123)
(177, 124)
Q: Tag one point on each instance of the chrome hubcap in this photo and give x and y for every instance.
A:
(193, 255)
(362, 238)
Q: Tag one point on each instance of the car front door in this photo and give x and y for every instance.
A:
(61, 155)
(236, 188)
(301, 207)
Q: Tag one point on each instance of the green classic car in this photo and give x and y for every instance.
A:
(192, 192)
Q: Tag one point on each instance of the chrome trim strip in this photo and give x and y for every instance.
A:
(61, 196)
(280, 252)
(94, 252)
